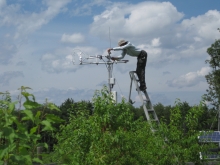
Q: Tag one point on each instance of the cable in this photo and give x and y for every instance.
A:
(118, 85)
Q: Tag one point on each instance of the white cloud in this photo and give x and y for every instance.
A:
(57, 96)
(159, 29)
(28, 23)
(190, 79)
(203, 26)
(156, 42)
(2, 3)
(148, 17)
(62, 59)
(80, 8)
(73, 38)
(56, 64)
(6, 77)
(7, 49)
(16, 24)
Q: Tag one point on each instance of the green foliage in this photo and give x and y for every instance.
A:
(112, 135)
(18, 142)
(182, 144)
(163, 112)
(69, 107)
(207, 121)
(101, 132)
(213, 78)
(103, 138)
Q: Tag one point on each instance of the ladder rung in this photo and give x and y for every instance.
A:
(150, 113)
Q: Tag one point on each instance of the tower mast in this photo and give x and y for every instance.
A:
(100, 59)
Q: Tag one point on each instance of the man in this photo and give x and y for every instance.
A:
(127, 48)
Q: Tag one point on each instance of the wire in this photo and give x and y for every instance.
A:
(118, 85)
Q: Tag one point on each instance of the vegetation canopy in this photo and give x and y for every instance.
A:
(112, 135)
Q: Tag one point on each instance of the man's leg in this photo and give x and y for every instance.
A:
(140, 70)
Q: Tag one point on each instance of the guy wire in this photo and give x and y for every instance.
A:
(118, 85)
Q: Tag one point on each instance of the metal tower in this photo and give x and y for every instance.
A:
(83, 59)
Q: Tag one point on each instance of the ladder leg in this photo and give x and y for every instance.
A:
(149, 109)
(130, 90)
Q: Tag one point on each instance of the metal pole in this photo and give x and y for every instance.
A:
(109, 77)
(39, 152)
(109, 67)
(219, 122)
(219, 118)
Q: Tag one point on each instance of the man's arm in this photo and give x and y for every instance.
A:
(119, 57)
(122, 47)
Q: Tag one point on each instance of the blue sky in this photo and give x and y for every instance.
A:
(38, 40)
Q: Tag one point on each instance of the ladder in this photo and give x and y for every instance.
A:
(149, 111)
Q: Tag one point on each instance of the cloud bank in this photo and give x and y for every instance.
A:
(190, 79)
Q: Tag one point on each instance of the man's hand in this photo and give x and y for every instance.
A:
(114, 58)
(109, 50)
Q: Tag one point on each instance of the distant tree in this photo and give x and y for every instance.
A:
(209, 119)
(138, 112)
(66, 108)
(184, 109)
(163, 112)
(213, 78)
(70, 107)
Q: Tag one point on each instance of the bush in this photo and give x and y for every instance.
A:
(18, 142)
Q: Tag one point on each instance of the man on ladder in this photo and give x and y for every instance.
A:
(127, 48)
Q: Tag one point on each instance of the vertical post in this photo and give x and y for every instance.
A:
(114, 96)
(218, 109)
(219, 122)
(109, 74)
(109, 77)
(39, 152)
(219, 118)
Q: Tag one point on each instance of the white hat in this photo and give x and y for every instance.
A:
(120, 42)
